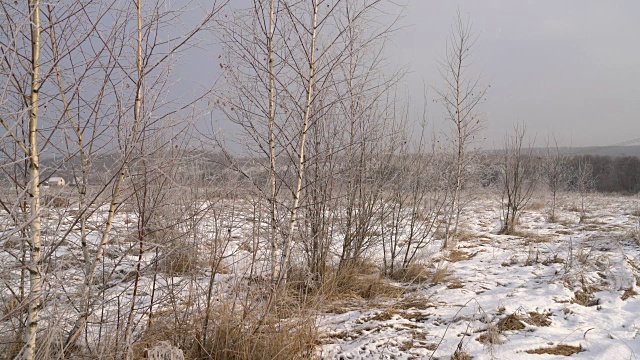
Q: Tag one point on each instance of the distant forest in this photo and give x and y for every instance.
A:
(612, 174)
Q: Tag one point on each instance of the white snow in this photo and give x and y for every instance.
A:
(539, 272)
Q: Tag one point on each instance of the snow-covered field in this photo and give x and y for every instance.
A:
(556, 288)
(505, 297)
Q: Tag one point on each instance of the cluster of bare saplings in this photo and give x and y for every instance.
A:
(173, 241)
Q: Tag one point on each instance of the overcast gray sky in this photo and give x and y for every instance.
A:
(567, 67)
(570, 68)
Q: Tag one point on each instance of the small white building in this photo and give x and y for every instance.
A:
(55, 181)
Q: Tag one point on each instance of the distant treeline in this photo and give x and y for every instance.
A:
(611, 174)
(605, 174)
(608, 173)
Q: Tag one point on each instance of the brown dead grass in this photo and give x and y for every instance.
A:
(414, 273)
(461, 355)
(180, 261)
(511, 322)
(628, 294)
(584, 298)
(406, 346)
(604, 228)
(413, 303)
(573, 208)
(234, 334)
(385, 315)
(11, 243)
(441, 275)
(360, 281)
(416, 316)
(536, 206)
(633, 234)
(379, 288)
(464, 235)
(459, 255)
(57, 202)
(554, 260)
(538, 319)
(530, 237)
(10, 345)
(490, 337)
(563, 350)
(389, 314)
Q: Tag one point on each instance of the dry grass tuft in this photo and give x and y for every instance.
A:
(161, 330)
(384, 315)
(538, 319)
(359, 280)
(573, 208)
(530, 237)
(490, 337)
(464, 235)
(461, 355)
(554, 260)
(459, 255)
(455, 284)
(379, 288)
(10, 345)
(234, 334)
(416, 316)
(535, 206)
(628, 293)
(441, 275)
(413, 303)
(391, 313)
(563, 350)
(275, 339)
(552, 218)
(415, 273)
(632, 235)
(510, 322)
(11, 243)
(512, 261)
(180, 259)
(57, 202)
(406, 346)
(585, 298)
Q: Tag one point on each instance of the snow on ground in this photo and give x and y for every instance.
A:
(562, 283)
(556, 283)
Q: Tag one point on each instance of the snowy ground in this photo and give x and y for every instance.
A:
(561, 283)
(558, 287)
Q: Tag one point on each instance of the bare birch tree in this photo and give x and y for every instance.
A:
(461, 96)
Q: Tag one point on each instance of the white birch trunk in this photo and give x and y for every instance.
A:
(35, 280)
(303, 136)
